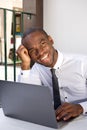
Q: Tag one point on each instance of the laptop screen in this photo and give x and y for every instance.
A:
(28, 102)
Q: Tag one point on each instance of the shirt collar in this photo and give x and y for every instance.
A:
(59, 60)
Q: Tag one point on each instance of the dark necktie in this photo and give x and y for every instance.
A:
(56, 93)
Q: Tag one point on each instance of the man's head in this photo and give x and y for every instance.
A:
(40, 47)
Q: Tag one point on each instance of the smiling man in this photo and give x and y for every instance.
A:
(71, 71)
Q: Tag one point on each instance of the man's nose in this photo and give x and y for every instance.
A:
(40, 52)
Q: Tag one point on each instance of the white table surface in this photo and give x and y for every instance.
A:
(7, 123)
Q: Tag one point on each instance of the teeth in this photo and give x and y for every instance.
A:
(44, 57)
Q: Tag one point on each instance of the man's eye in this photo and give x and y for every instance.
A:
(31, 52)
(43, 43)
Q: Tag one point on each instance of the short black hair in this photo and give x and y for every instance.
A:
(31, 30)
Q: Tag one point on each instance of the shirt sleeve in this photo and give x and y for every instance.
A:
(28, 76)
(84, 67)
(84, 105)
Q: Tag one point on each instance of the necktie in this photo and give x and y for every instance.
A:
(56, 93)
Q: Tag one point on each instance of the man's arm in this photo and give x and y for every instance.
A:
(25, 58)
(68, 110)
(27, 75)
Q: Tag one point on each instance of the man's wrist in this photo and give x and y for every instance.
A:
(80, 109)
(25, 66)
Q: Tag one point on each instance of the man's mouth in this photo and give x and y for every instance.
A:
(44, 57)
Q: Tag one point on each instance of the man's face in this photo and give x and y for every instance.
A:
(40, 48)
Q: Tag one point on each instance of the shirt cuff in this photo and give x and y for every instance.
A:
(26, 76)
(25, 73)
(84, 105)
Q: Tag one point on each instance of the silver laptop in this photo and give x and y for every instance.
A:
(28, 102)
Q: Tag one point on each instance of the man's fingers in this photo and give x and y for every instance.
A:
(63, 107)
(64, 113)
(67, 110)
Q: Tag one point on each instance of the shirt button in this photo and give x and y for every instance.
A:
(86, 113)
(65, 97)
(21, 73)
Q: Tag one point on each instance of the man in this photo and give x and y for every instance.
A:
(37, 47)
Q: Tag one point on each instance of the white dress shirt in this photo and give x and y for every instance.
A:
(71, 71)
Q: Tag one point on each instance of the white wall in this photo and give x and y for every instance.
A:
(66, 22)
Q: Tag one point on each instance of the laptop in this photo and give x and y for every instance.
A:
(28, 102)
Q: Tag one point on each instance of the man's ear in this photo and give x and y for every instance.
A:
(50, 39)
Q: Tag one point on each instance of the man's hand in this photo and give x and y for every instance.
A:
(68, 110)
(24, 56)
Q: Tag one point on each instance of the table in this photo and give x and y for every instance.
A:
(7, 123)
